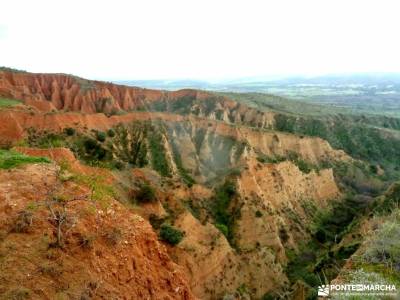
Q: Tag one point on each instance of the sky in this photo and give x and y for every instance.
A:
(200, 39)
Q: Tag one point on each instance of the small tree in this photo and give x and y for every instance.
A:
(170, 234)
(101, 136)
(69, 131)
(59, 216)
(111, 132)
(146, 194)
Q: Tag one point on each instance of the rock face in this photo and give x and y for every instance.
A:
(64, 92)
(55, 92)
(133, 266)
(206, 148)
(272, 215)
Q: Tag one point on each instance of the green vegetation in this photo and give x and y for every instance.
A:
(268, 102)
(370, 275)
(20, 293)
(379, 260)
(101, 191)
(102, 103)
(384, 246)
(199, 138)
(158, 154)
(220, 209)
(93, 150)
(182, 105)
(69, 131)
(303, 165)
(179, 164)
(265, 159)
(320, 258)
(113, 236)
(388, 202)
(365, 136)
(145, 194)
(7, 69)
(135, 150)
(111, 132)
(46, 140)
(329, 226)
(84, 84)
(10, 159)
(193, 208)
(135, 144)
(223, 228)
(101, 136)
(85, 146)
(5, 102)
(361, 141)
(23, 222)
(170, 234)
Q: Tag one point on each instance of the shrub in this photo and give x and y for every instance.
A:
(259, 214)
(93, 150)
(236, 172)
(146, 194)
(269, 296)
(223, 228)
(20, 293)
(185, 175)
(262, 158)
(69, 131)
(170, 234)
(111, 133)
(156, 221)
(373, 169)
(113, 236)
(384, 247)
(158, 154)
(119, 165)
(23, 222)
(86, 241)
(223, 197)
(50, 140)
(50, 269)
(101, 136)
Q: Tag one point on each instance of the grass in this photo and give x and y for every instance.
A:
(6, 102)
(101, 191)
(10, 159)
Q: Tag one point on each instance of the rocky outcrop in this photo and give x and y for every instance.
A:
(216, 145)
(55, 92)
(272, 204)
(69, 93)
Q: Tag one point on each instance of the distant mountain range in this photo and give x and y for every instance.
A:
(367, 92)
(261, 82)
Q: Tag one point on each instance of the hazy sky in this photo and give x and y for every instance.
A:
(204, 39)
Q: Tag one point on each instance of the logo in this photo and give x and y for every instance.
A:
(357, 289)
(323, 290)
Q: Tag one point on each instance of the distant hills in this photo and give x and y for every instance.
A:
(364, 92)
